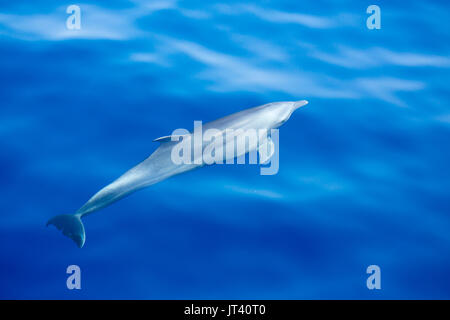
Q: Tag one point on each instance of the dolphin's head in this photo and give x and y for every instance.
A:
(282, 111)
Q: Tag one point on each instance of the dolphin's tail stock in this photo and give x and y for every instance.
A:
(71, 226)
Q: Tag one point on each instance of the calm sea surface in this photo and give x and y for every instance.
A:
(364, 169)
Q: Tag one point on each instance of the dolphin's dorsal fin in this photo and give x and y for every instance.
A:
(168, 138)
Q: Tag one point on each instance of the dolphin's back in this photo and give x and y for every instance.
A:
(239, 120)
(157, 167)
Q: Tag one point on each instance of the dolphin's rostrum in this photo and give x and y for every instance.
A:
(159, 165)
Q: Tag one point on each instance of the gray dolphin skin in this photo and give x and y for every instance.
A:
(159, 165)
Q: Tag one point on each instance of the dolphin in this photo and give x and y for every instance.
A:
(159, 165)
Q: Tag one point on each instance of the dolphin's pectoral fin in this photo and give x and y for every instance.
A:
(266, 151)
(71, 226)
(168, 138)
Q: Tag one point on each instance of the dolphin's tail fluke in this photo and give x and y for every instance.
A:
(71, 226)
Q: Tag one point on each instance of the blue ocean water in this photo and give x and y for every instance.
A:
(364, 169)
